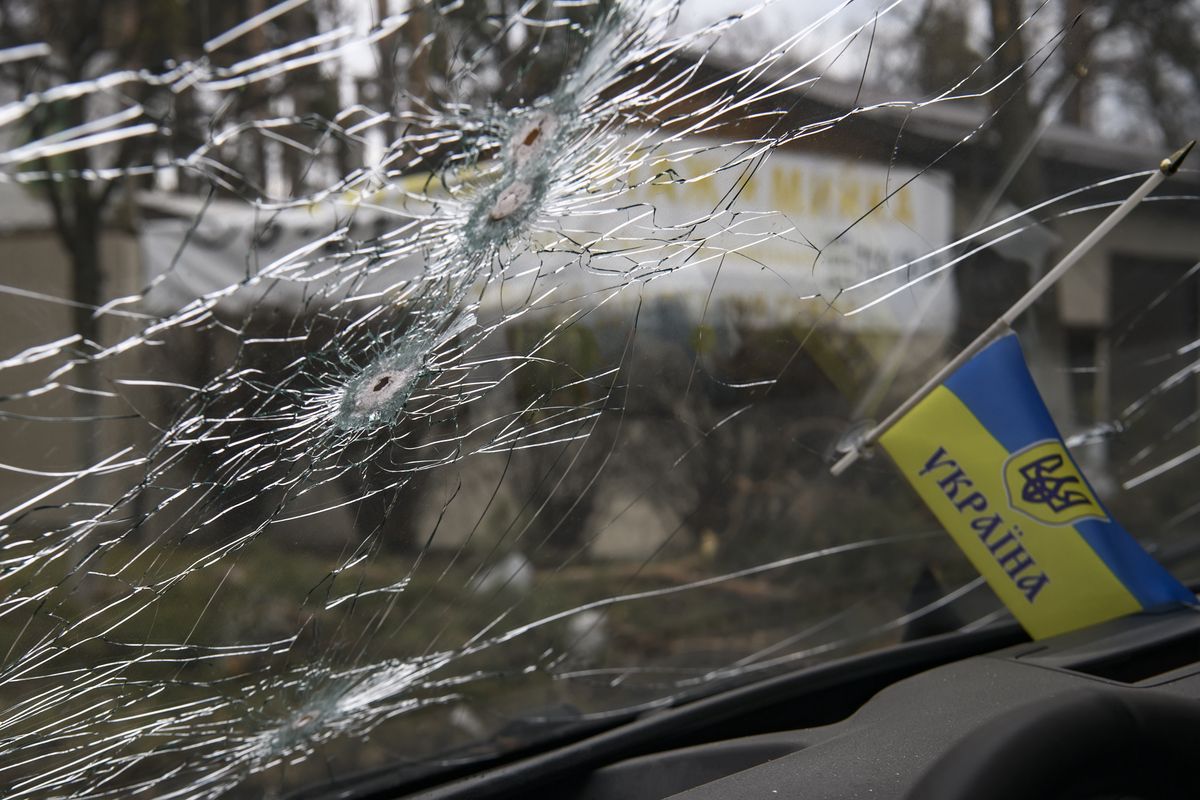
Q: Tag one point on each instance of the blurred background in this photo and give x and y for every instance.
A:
(736, 234)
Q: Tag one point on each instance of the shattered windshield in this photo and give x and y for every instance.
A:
(394, 384)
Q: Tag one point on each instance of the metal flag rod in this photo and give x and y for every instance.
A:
(1167, 168)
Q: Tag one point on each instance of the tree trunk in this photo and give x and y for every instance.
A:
(1016, 121)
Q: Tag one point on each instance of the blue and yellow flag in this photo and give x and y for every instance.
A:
(985, 456)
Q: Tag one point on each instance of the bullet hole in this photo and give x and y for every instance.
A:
(379, 393)
(379, 389)
(532, 134)
(510, 200)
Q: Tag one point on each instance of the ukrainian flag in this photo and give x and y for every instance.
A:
(985, 456)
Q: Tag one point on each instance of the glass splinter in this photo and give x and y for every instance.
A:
(380, 388)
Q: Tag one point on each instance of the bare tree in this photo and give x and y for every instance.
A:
(130, 34)
(1143, 55)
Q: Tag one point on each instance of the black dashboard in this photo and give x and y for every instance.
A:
(1107, 713)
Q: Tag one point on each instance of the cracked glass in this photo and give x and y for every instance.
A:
(390, 385)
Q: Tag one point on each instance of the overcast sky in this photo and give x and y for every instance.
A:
(780, 19)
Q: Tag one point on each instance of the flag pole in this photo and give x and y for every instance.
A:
(1168, 167)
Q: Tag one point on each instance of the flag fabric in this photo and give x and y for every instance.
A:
(986, 457)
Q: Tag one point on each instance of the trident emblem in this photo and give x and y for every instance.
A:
(1043, 486)
(1043, 482)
